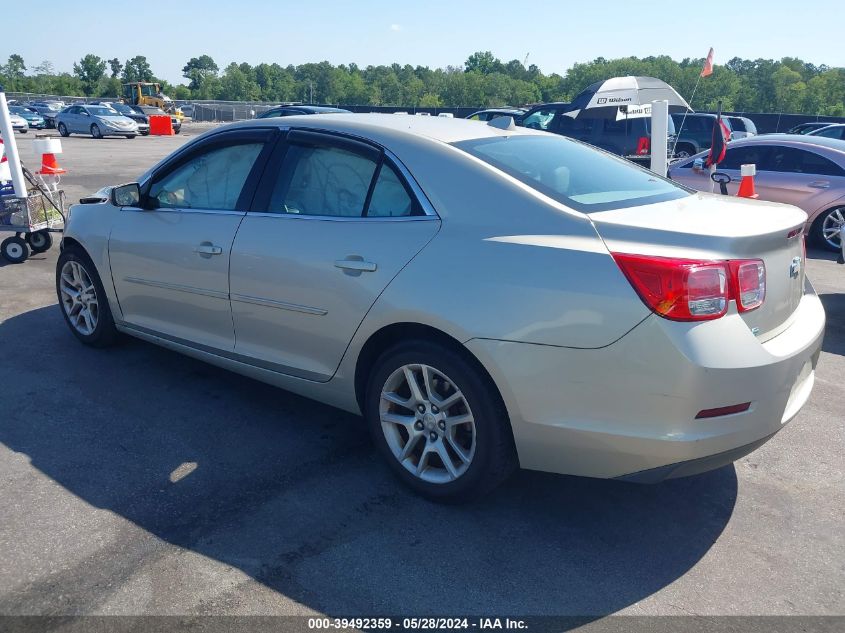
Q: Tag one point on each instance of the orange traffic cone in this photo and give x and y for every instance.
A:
(48, 148)
(746, 185)
(49, 166)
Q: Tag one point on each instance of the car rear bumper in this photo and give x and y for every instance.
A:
(629, 410)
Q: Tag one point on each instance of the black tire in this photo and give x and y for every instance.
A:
(24, 131)
(494, 458)
(14, 250)
(177, 130)
(684, 150)
(40, 241)
(819, 226)
(104, 333)
(145, 133)
(131, 135)
(63, 130)
(95, 131)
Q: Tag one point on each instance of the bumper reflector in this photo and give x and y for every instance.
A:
(720, 411)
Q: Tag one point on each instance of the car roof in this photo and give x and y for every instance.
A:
(798, 139)
(383, 128)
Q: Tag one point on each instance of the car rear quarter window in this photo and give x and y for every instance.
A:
(581, 177)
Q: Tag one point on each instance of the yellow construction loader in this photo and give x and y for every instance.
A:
(147, 93)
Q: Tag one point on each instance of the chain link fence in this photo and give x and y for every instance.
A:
(227, 111)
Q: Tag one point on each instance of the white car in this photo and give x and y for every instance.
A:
(486, 296)
(19, 124)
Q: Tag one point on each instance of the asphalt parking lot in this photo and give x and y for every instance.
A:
(134, 480)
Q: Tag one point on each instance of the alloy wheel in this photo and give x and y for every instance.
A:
(79, 298)
(831, 226)
(427, 423)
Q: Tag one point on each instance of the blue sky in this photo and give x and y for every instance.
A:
(555, 34)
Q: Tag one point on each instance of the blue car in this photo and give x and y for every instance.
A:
(35, 120)
(96, 120)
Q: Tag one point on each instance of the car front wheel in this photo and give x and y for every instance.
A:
(95, 131)
(439, 422)
(83, 300)
(63, 130)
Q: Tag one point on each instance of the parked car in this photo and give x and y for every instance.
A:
(807, 171)
(486, 298)
(19, 124)
(96, 120)
(32, 118)
(48, 110)
(148, 111)
(297, 109)
(741, 127)
(494, 113)
(836, 131)
(806, 128)
(695, 132)
(627, 137)
(141, 119)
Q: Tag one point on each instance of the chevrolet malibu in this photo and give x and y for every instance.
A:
(486, 296)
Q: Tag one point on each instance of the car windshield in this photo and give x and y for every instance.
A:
(123, 109)
(101, 111)
(581, 177)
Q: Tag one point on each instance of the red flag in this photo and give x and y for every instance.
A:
(708, 65)
(718, 141)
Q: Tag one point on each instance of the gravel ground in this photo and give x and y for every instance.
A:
(137, 481)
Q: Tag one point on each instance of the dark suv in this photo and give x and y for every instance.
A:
(625, 136)
(696, 134)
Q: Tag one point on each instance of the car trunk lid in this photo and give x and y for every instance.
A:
(711, 227)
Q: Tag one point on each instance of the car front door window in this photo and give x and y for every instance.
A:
(213, 180)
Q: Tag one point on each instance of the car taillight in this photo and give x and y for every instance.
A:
(750, 283)
(643, 145)
(694, 290)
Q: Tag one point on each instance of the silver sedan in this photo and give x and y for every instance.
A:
(486, 296)
(96, 120)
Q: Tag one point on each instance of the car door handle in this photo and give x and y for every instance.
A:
(208, 249)
(356, 264)
(820, 184)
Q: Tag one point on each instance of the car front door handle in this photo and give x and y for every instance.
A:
(356, 265)
(207, 248)
(820, 184)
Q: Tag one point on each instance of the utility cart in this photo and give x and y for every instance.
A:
(32, 220)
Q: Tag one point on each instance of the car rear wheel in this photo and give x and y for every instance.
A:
(434, 417)
(826, 229)
(83, 300)
(684, 150)
(63, 130)
(95, 131)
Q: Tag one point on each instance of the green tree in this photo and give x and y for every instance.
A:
(90, 70)
(137, 69)
(483, 62)
(14, 68)
(198, 70)
(115, 66)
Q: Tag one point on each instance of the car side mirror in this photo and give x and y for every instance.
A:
(128, 195)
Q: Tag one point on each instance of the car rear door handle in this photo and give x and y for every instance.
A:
(820, 184)
(358, 265)
(206, 248)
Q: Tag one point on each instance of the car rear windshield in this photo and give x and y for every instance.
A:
(577, 175)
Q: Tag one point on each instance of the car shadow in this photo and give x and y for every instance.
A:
(834, 337)
(292, 493)
(823, 254)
